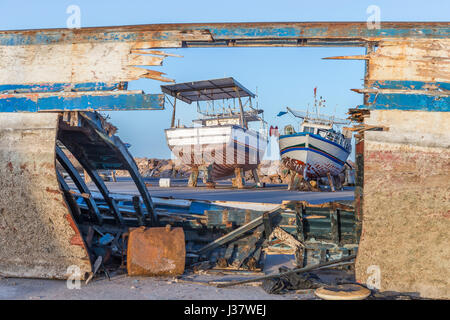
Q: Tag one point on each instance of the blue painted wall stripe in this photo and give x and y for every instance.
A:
(410, 85)
(408, 102)
(55, 87)
(113, 102)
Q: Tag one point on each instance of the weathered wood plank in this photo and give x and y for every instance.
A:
(329, 31)
(411, 60)
(73, 63)
(56, 87)
(81, 101)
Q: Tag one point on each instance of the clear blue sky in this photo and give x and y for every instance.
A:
(283, 76)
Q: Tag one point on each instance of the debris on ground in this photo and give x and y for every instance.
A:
(290, 282)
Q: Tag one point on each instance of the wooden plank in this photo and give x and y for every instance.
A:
(225, 261)
(237, 232)
(406, 60)
(421, 101)
(81, 101)
(334, 225)
(55, 87)
(299, 214)
(330, 32)
(73, 63)
(410, 85)
(245, 250)
(330, 182)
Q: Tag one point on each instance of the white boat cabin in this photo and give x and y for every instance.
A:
(320, 125)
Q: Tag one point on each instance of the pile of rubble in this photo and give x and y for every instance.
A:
(159, 168)
(272, 172)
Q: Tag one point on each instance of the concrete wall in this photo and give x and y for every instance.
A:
(406, 225)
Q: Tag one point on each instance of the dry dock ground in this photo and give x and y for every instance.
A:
(274, 193)
(189, 286)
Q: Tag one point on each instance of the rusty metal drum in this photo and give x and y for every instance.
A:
(156, 252)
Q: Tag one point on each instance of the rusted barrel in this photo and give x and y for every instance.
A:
(156, 251)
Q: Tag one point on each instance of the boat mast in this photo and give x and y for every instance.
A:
(315, 103)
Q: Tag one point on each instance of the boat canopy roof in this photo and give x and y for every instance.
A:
(207, 90)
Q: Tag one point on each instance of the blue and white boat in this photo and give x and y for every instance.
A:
(318, 148)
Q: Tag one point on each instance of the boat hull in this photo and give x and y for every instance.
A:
(311, 155)
(224, 148)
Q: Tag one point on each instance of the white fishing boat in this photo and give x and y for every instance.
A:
(219, 143)
(319, 148)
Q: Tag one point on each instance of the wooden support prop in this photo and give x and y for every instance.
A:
(309, 186)
(256, 177)
(303, 184)
(291, 185)
(173, 171)
(338, 183)
(330, 181)
(293, 271)
(193, 177)
(240, 182)
(207, 170)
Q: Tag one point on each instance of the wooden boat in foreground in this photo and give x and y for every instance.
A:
(318, 149)
(221, 144)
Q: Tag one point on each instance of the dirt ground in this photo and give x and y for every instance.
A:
(187, 287)
(132, 288)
